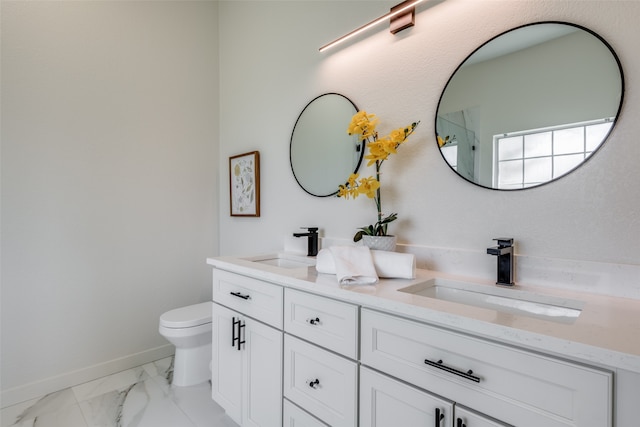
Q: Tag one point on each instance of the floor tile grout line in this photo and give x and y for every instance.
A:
(84, 418)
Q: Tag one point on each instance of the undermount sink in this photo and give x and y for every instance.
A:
(504, 300)
(284, 260)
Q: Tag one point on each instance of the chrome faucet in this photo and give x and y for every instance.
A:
(312, 240)
(504, 252)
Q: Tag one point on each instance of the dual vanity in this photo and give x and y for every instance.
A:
(292, 347)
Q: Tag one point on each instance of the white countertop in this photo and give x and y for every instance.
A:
(607, 332)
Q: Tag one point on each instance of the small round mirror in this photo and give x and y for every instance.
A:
(529, 106)
(322, 154)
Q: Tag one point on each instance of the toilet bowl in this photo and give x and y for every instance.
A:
(189, 330)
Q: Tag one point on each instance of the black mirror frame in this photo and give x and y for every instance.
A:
(360, 150)
(615, 121)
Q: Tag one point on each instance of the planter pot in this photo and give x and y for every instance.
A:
(380, 243)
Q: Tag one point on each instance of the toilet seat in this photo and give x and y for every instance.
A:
(187, 317)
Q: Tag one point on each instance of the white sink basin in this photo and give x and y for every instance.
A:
(284, 260)
(504, 300)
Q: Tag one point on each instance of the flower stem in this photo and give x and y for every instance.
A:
(379, 230)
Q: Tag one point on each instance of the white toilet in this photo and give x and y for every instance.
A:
(189, 329)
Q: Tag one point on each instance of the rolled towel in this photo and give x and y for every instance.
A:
(354, 265)
(394, 265)
(389, 265)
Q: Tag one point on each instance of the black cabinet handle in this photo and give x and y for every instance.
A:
(236, 333)
(315, 321)
(313, 383)
(239, 295)
(439, 417)
(233, 331)
(460, 423)
(466, 375)
(240, 334)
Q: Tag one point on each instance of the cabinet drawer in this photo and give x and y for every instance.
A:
(328, 323)
(321, 382)
(296, 417)
(255, 298)
(509, 384)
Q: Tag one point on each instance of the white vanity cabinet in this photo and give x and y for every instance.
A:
(293, 353)
(515, 386)
(246, 363)
(318, 377)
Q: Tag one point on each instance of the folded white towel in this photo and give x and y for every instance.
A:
(354, 265)
(324, 262)
(390, 265)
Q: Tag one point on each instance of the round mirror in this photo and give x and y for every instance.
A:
(529, 106)
(322, 154)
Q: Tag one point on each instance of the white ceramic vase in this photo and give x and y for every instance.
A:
(380, 243)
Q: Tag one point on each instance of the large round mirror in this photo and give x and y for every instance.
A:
(529, 106)
(322, 154)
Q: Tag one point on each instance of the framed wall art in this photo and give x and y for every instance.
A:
(244, 180)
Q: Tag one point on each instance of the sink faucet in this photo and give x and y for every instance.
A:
(504, 252)
(312, 240)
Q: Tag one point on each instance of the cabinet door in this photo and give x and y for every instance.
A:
(467, 418)
(262, 375)
(226, 363)
(386, 402)
(246, 369)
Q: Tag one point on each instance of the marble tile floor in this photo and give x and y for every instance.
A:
(138, 397)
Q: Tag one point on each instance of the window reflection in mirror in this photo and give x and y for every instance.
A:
(530, 106)
(322, 154)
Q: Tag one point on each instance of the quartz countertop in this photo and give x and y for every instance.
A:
(607, 332)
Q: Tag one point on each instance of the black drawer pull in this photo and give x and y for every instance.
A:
(315, 321)
(313, 383)
(460, 423)
(239, 295)
(466, 375)
(439, 417)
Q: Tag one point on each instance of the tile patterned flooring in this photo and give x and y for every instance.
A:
(138, 397)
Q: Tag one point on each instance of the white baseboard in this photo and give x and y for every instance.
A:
(49, 385)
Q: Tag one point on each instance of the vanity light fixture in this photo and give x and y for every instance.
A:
(400, 17)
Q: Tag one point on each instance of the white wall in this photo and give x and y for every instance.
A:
(109, 182)
(271, 67)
